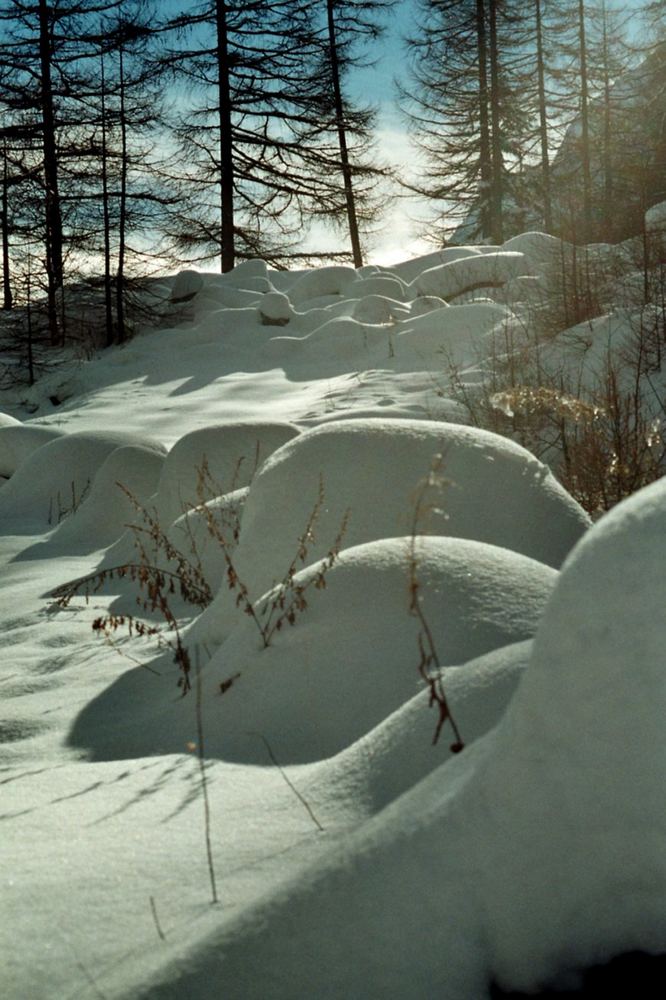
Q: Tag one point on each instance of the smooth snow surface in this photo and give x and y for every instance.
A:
(289, 442)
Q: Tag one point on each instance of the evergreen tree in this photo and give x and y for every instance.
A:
(349, 22)
(463, 108)
(44, 52)
(258, 150)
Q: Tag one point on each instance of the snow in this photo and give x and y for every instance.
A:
(655, 218)
(232, 453)
(345, 666)
(186, 285)
(56, 476)
(482, 270)
(353, 857)
(18, 440)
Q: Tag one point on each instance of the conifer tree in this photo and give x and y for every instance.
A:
(239, 136)
(463, 107)
(270, 138)
(348, 23)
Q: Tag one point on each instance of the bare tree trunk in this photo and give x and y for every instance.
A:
(585, 126)
(485, 168)
(543, 123)
(122, 206)
(227, 229)
(108, 284)
(54, 241)
(8, 300)
(496, 143)
(31, 360)
(608, 135)
(342, 139)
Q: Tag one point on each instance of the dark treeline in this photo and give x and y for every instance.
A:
(134, 133)
(549, 114)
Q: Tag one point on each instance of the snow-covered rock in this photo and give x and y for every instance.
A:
(491, 269)
(352, 657)
(54, 478)
(186, 285)
(106, 510)
(481, 486)
(194, 535)
(232, 453)
(275, 309)
(378, 309)
(655, 218)
(333, 280)
(18, 441)
(387, 285)
(408, 270)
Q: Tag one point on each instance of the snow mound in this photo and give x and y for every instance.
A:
(539, 249)
(18, 440)
(425, 304)
(584, 738)
(466, 273)
(8, 421)
(191, 535)
(408, 270)
(55, 478)
(245, 273)
(452, 332)
(341, 344)
(316, 284)
(185, 286)
(352, 657)
(387, 285)
(350, 660)
(537, 852)
(399, 752)
(233, 453)
(378, 308)
(487, 488)
(655, 218)
(275, 309)
(107, 510)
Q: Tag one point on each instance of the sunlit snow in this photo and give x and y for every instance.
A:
(309, 413)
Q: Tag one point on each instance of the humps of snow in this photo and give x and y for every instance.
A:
(17, 441)
(365, 477)
(56, 476)
(227, 455)
(536, 852)
(655, 218)
(350, 661)
(470, 272)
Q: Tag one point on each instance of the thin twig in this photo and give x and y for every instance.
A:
(153, 910)
(202, 769)
(306, 805)
(426, 642)
(87, 974)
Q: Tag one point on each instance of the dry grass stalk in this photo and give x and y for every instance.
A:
(429, 667)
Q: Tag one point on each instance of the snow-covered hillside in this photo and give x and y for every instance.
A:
(306, 442)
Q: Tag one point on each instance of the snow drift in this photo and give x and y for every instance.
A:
(354, 858)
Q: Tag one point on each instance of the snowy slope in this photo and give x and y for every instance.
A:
(306, 417)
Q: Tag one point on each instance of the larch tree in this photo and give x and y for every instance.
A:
(43, 51)
(248, 130)
(464, 109)
(349, 23)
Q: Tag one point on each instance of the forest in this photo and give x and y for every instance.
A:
(138, 136)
